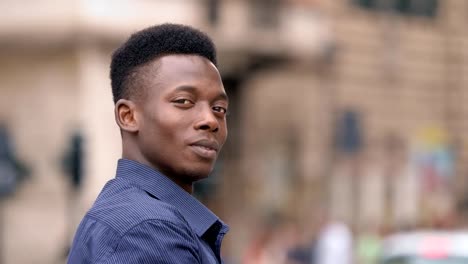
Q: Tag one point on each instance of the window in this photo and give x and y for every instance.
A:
(213, 11)
(265, 13)
(426, 8)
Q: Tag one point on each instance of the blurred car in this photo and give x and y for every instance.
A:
(426, 247)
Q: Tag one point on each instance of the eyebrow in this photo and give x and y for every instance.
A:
(188, 88)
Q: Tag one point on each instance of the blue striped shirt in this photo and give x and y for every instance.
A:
(141, 216)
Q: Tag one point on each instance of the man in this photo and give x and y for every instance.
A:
(171, 107)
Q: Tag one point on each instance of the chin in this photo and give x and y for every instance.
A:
(198, 173)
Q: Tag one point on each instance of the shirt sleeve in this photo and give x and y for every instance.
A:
(93, 241)
(159, 242)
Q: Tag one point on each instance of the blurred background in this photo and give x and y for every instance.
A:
(349, 121)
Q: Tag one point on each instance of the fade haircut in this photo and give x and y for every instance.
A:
(151, 43)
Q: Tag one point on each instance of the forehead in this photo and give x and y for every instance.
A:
(176, 70)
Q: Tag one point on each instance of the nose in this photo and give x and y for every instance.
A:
(207, 120)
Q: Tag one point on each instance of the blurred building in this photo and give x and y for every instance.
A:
(356, 106)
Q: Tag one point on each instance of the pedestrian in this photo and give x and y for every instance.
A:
(170, 106)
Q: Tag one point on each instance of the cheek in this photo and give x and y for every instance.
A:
(223, 132)
(167, 130)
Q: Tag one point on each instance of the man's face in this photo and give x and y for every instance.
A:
(183, 117)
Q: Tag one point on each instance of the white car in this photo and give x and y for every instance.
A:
(426, 247)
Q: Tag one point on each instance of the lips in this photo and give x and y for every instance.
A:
(205, 148)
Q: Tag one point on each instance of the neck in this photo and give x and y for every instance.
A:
(130, 154)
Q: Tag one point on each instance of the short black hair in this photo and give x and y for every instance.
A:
(151, 43)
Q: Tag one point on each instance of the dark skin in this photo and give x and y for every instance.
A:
(178, 124)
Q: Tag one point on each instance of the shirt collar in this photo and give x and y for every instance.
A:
(199, 217)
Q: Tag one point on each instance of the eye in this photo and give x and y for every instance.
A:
(220, 109)
(183, 101)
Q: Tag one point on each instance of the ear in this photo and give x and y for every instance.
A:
(125, 115)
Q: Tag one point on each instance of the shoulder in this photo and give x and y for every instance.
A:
(127, 225)
(123, 206)
(153, 240)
